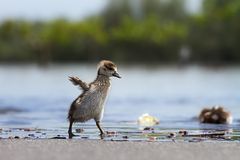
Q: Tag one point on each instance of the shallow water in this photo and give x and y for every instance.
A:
(38, 98)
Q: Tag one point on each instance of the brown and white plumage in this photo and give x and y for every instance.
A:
(90, 104)
(216, 115)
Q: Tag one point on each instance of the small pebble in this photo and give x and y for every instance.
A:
(79, 130)
(171, 135)
(196, 140)
(227, 138)
(58, 137)
(31, 135)
(125, 137)
(8, 130)
(183, 133)
(148, 129)
(26, 138)
(111, 132)
(152, 138)
(28, 129)
(84, 137)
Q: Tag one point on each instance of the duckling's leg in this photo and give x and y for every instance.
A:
(70, 134)
(99, 127)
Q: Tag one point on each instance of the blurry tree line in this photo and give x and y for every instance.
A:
(130, 31)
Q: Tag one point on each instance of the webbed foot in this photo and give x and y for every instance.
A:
(70, 135)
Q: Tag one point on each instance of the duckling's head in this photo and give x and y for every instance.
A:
(108, 68)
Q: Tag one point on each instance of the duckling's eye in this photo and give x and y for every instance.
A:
(109, 68)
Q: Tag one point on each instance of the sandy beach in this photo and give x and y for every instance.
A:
(97, 149)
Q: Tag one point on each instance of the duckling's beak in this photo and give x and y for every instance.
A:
(115, 74)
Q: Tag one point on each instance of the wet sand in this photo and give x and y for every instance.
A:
(97, 149)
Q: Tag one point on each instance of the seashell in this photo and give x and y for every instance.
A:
(147, 120)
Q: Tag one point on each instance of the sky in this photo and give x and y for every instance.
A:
(51, 9)
(194, 5)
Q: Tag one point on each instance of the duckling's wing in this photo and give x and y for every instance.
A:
(77, 82)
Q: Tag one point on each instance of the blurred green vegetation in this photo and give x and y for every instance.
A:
(130, 31)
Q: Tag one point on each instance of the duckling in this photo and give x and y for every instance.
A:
(216, 115)
(90, 104)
